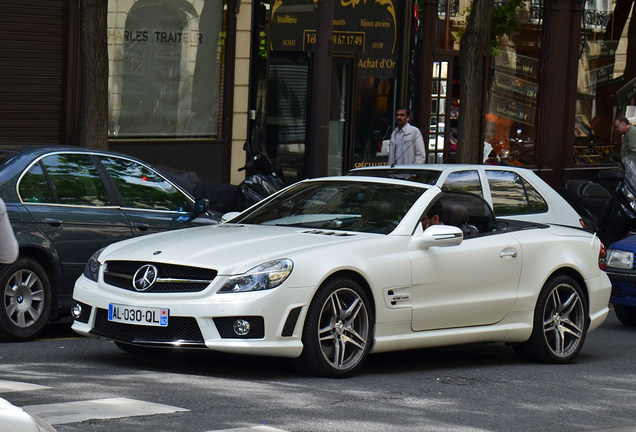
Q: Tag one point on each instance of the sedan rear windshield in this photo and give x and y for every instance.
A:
(337, 205)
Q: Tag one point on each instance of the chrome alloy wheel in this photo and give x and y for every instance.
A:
(563, 320)
(343, 331)
(24, 298)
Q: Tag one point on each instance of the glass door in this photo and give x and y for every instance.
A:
(340, 112)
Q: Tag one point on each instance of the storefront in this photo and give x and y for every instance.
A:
(556, 78)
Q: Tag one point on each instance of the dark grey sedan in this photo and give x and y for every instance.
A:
(66, 203)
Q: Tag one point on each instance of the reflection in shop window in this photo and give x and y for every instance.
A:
(165, 60)
(606, 85)
(513, 91)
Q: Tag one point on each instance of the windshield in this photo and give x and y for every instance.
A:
(416, 175)
(337, 205)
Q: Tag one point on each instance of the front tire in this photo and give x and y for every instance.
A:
(560, 323)
(26, 300)
(626, 314)
(338, 330)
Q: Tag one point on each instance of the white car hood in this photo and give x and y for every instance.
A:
(227, 248)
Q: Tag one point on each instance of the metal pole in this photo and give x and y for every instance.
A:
(317, 153)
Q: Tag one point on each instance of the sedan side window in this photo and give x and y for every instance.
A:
(142, 188)
(513, 195)
(463, 181)
(75, 180)
(34, 188)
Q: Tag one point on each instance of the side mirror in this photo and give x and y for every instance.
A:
(231, 215)
(441, 236)
(201, 205)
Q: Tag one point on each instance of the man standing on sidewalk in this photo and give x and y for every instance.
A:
(407, 144)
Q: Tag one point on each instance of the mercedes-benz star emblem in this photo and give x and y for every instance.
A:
(145, 277)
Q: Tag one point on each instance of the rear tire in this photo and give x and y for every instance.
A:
(626, 314)
(26, 300)
(338, 330)
(560, 323)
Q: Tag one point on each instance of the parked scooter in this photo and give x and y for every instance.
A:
(261, 180)
(607, 207)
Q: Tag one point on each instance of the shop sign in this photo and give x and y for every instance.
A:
(602, 49)
(516, 111)
(515, 87)
(626, 93)
(516, 64)
(601, 76)
(368, 29)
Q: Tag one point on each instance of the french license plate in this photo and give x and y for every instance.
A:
(157, 317)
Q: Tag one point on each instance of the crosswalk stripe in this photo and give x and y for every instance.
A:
(98, 409)
(251, 429)
(15, 386)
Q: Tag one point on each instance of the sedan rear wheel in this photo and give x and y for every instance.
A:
(26, 300)
(338, 330)
(560, 323)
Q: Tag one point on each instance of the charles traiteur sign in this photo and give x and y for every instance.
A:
(367, 28)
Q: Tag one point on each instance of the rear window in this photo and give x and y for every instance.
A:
(420, 176)
(513, 195)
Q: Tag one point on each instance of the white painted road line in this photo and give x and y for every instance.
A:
(14, 386)
(99, 409)
(251, 429)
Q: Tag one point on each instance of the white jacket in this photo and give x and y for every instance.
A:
(414, 151)
(8, 244)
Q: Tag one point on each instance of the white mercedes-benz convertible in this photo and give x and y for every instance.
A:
(329, 270)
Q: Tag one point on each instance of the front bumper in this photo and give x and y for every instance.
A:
(201, 320)
(623, 287)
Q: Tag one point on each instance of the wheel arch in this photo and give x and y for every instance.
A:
(359, 279)
(574, 274)
(52, 272)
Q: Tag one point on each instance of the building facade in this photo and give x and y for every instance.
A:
(191, 80)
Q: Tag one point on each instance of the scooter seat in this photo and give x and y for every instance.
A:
(594, 190)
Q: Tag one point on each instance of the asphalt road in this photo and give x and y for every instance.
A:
(480, 387)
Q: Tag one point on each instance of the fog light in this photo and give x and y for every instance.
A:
(76, 311)
(241, 327)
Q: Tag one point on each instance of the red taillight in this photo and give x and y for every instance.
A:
(582, 222)
(602, 255)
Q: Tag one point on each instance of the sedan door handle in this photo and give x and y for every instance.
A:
(53, 222)
(142, 226)
(512, 254)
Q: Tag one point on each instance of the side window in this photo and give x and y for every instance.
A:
(463, 181)
(34, 188)
(508, 193)
(536, 201)
(142, 188)
(75, 180)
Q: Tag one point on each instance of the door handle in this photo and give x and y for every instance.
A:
(511, 254)
(142, 226)
(53, 222)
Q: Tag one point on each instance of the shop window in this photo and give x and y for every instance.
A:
(606, 85)
(165, 66)
(513, 91)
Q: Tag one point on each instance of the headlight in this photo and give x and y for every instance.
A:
(91, 270)
(265, 276)
(620, 259)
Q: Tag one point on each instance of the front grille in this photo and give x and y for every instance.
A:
(179, 329)
(225, 326)
(170, 278)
